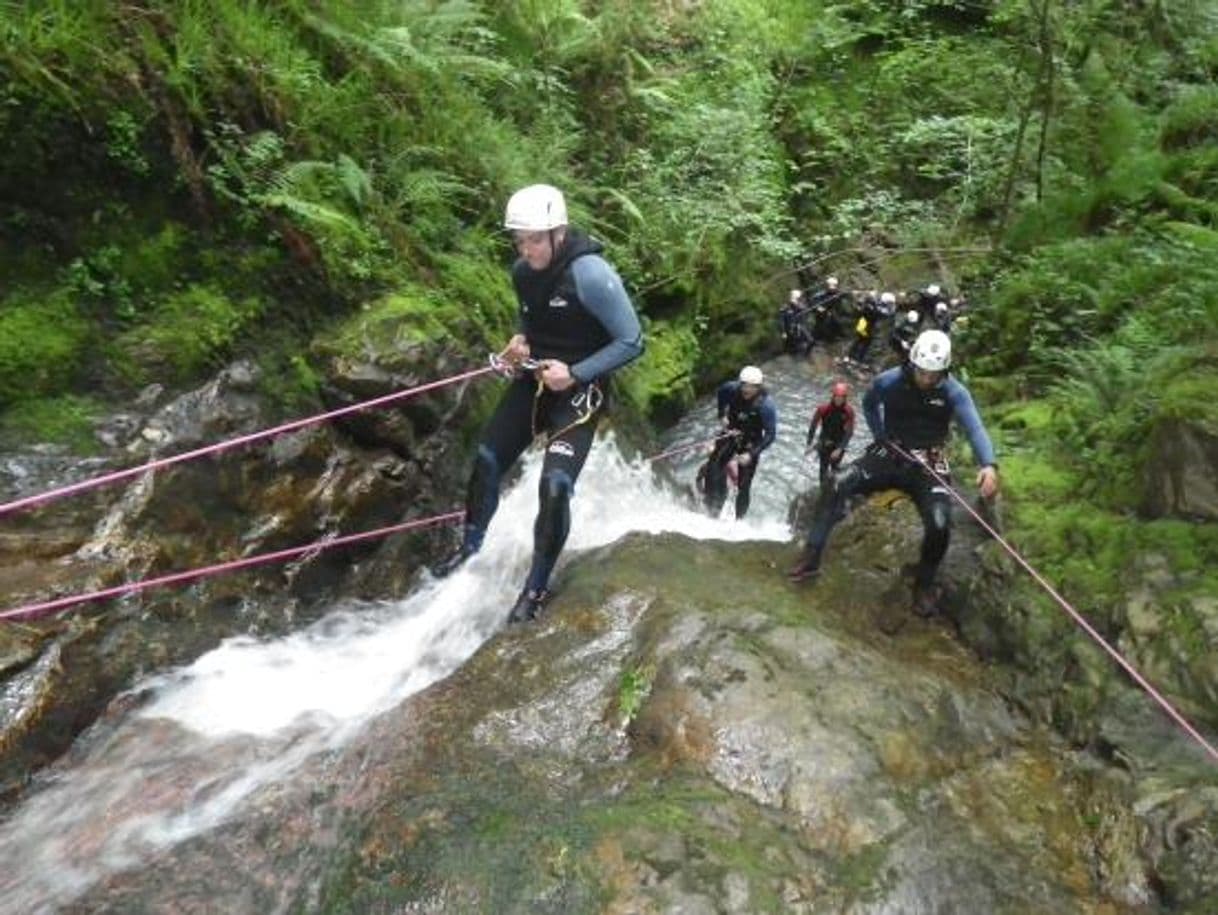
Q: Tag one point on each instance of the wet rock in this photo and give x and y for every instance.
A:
(1181, 478)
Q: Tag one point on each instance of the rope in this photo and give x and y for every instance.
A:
(1078, 618)
(683, 448)
(126, 474)
(44, 608)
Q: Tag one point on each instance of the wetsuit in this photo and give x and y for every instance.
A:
(756, 421)
(902, 337)
(836, 427)
(794, 330)
(577, 311)
(864, 330)
(897, 410)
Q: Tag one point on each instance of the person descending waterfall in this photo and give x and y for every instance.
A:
(747, 412)
(578, 324)
(836, 421)
(910, 406)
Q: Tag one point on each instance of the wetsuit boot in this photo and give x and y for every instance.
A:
(528, 605)
(807, 567)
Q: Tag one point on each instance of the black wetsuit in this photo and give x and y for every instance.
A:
(836, 428)
(575, 311)
(756, 421)
(897, 410)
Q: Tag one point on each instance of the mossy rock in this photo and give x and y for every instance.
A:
(42, 345)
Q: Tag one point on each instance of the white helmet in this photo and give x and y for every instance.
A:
(932, 351)
(796, 294)
(912, 316)
(933, 289)
(750, 374)
(940, 308)
(888, 298)
(831, 282)
(536, 208)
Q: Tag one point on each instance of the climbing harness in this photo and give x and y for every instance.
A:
(586, 402)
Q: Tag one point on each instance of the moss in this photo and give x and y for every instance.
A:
(1192, 119)
(659, 384)
(188, 332)
(42, 345)
(408, 316)
(1036, 479)
(66, 420)
(1191, 397)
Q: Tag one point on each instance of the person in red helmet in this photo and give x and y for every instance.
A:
(835, 418)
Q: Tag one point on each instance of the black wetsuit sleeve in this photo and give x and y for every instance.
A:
(812, 425)
(602, 294)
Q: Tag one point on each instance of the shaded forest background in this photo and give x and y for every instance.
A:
(295, 182)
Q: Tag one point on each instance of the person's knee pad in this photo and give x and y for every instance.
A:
(553, 513)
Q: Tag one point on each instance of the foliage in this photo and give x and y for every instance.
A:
(66, 420)
(42, 343)
(660, 383)
(188, 332)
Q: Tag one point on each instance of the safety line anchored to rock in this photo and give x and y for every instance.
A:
(128, 473)
(1077, 617)
(44, 608)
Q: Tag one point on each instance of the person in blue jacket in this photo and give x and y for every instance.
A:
(747, 413)
(577, 326)
(909, 407)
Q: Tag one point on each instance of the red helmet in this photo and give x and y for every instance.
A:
(841, 389)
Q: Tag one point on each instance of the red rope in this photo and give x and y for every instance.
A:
(117, 475)
(34, 611)
(707, 441)
(1065, 605)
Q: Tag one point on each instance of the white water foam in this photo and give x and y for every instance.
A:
(250, 712)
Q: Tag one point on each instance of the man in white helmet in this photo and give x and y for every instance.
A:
(826, 309)
(926, 299)
(578, 324)
(792, 318)
(909, 410)
(747, 411)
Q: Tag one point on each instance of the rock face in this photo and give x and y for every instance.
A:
(682, 732)
(304, 486)
(1182, 472)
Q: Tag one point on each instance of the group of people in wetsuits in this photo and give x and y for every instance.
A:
(578, 325)
(828, 312)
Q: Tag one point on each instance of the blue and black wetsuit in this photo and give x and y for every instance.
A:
(756, 421)
(897, 410)
(577, 311)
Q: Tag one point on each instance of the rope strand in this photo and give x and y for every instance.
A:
(128, 473)
(44, 608)
(1074, 614)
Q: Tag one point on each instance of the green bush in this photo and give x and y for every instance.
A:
(43, 345)
(187, 333)
(660, 384)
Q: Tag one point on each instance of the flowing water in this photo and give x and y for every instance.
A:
(185, 749)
